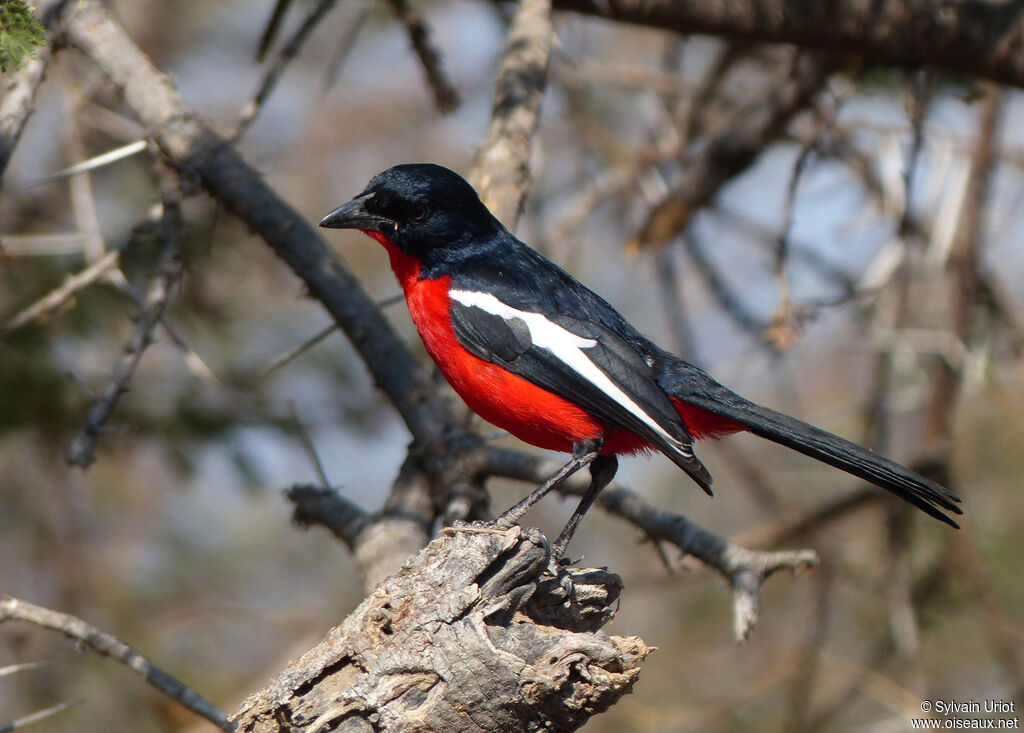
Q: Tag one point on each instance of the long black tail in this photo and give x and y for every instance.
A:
(692, 385)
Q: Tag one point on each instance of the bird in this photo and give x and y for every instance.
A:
(535, 352)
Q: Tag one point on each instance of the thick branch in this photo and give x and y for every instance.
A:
(525, 660)
(973, 38)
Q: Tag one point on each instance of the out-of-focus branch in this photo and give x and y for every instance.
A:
(969, 287)
(192, 147)
(38, 716)
(501, 172)
(734, 307)
(56, 298)
(82, 451)
(745, 570)
(734, 149)
(16, 102)
(102, 643)
(987, 36)
(445, 96)
(18, 97)
(281, 60)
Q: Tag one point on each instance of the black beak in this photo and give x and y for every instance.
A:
(354, 215)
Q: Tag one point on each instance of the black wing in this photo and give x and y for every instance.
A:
(579, 360)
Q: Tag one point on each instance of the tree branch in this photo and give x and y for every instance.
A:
(735, 149)
(745, 570)
(82, 451)
(527, 659)
(987, 37)
(501, 171)
(13, 609)
(197, 151)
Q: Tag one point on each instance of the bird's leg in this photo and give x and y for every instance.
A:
(582, 454)
(602, 471)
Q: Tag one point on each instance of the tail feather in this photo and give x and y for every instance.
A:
(692, 385)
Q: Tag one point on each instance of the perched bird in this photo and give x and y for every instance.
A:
(533, 351)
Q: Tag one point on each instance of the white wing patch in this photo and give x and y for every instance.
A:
(568, 348)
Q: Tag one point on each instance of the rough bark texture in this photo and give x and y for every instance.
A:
(527, 659)
(976, 38)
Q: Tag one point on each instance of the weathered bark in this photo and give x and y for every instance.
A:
(981, 39)
(466, 636)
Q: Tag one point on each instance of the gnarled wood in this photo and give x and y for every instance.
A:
(467, 636)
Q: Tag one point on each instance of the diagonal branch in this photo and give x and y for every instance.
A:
(280, 62)
(197, 151)
(13, 609)
(55, 299)
(81, 452)
(735, 149)
(445, 96)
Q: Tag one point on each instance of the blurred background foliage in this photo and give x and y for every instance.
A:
(177, 539)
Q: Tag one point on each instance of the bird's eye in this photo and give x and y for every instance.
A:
(418, 214)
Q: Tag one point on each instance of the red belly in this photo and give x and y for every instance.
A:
(510, 402)
(529, 412)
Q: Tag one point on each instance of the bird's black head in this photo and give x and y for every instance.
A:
(423, 208)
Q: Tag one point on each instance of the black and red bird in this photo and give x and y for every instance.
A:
(533, 351)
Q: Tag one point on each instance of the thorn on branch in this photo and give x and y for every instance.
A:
(39, 715)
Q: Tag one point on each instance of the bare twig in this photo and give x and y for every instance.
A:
(297, 351)
(280, 62)
(675, 307)
(445, 96)
(270, 30)
(805, 254)
(356, 18)
(24, 666)
(307, 443)
(735, 308)
(745, 570)
(81, 452)
(53, 301)
(708, 92)
(13, 609)
(501, 168)
(329, 508)
(967, 321)
(735, 149)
